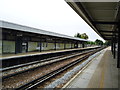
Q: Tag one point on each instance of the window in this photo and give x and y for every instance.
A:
(58, 44)
(38, 44)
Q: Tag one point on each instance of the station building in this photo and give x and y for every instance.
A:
(21, 39)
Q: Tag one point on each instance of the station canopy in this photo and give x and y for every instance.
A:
(17, 27)
(103, 16)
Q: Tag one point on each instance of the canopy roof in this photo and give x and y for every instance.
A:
(103, 17)
(9, 25)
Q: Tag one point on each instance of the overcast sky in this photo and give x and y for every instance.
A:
(51, 15)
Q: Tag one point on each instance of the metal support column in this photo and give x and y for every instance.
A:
(71, 45)
(118, 53)
(114, 51)
(27, 46)
(40, 43)
(1, 37)
(64, 45)
(55, 44)
(2, 47)
(112, 46)
(18, 44)
(83, 45)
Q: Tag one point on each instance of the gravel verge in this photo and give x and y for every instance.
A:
(72, 72)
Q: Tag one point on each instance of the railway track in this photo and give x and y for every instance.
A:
(37, 81)
(33, 84)
(18, 69)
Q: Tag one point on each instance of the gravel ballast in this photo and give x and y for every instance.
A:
(69, 74)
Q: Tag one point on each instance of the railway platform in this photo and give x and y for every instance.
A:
(28, 58)
(101, 72)
(40, 53)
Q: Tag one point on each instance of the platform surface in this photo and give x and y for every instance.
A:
(101, 72)
(38, 53)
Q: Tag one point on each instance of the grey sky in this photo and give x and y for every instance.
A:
(51, 15)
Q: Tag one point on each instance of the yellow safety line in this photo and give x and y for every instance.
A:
(102, 76)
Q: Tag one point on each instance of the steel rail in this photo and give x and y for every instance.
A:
(36, 82)
(31, 62)
(59, 59)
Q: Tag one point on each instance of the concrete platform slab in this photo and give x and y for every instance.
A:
(102, 72)
(6, 56)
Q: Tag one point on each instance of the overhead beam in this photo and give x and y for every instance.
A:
(107, 31)
(109, 39)
(108, 35)
(105, 34)
(99, 22)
